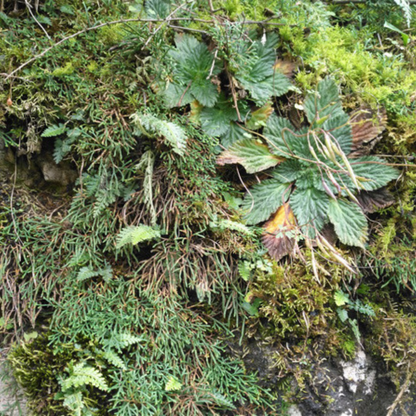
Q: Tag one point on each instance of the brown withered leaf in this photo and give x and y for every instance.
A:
(372, 201)
(285, 67)
(276, 237)
(367, 126)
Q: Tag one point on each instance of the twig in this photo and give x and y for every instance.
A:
(399, 396)
(213, 64)
(183, 95)
(29, 7)
(189, 29)
(121, 21)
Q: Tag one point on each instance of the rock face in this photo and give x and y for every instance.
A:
(12, 402)
(357, 388)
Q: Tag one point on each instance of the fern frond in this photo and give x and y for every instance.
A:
(150, 125)
(406, 9)
(125, 339)
(75, 403)
(87, 273)
(54, 130)
(114, 358)
(173, 384)
(136, 234)
(223, 224)
(82, 375)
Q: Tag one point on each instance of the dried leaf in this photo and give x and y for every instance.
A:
(250, 153)
(277, 236)
(367, 126)
(375, 200)
(285, 67)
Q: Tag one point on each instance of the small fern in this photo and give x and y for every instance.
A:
(150, 125)
(87, 273)
(54, 130)
(406, 9)
(114, 358)
(82, 375)
(136, 234)
(125, 339)
(223, 224)
(75, 403)
(173, 384)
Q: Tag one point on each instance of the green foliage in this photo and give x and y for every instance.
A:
(316, 163)
(136, 234)
(174, 135)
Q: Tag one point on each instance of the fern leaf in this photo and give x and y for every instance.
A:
(75, 403)
(244, 270)
(173, 384)
(221, 400)
(114, 358)
(125, 339)
(136, 234)
(174, 135)
(223, 224)
(82, 375)
(54, 130)
(87, 273)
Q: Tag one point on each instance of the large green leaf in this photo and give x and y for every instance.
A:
(288, 171)
(323, 102)
(349, 222)
(234, 134)
(279, 132)
(216, 121)
(310, 207)
(260, 91)
(176, 96)
(264, 199)
(374, 170)
(193, 66)
(250, 153)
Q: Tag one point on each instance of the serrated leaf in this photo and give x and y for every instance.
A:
(176, 95)
(288, 171)
(173, 384)
(261, 91)
(234, 134)
(251, 154)
(136, 234)
(278, 236)
(157, 8)
(205, 92)
(323, 102)
(193, 65)
(54, 130)
(310, 207)
(283, 139)
(349, 222)
(374, 169)
(221, 400)
(264, 199)
(216, 121)
(341, 298)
